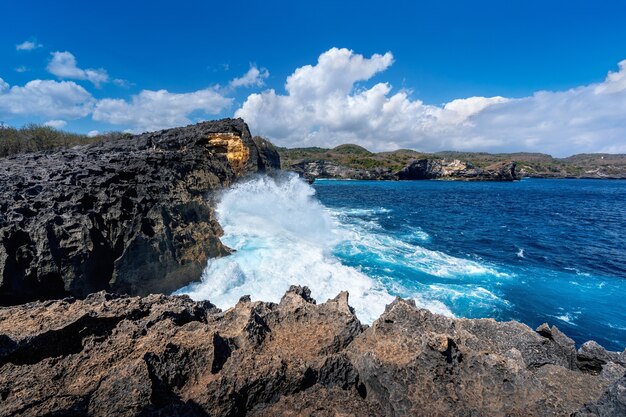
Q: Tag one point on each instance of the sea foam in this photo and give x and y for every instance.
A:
(283, 236)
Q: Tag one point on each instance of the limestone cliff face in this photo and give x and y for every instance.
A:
(131, 215)
(420, 169)
(169, 356)
(424, 169)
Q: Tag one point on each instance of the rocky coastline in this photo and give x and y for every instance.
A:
(93, 237)
(418, 169)
(111, 355)
(351, 161)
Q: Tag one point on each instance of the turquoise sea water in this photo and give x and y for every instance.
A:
(535, 250)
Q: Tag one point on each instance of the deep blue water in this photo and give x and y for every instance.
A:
(535, 250)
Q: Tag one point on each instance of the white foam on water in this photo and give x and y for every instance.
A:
(520, 253)
(394, 251)
(283, 236)
(567, 318)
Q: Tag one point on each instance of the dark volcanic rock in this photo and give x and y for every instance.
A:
(611, 404)
(129, 215)
(268, 159)
(421, 169)
(160, 355)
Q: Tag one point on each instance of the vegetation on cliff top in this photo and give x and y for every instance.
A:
(532, 164)
(34, 138)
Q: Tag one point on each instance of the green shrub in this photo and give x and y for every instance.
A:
(34, 138)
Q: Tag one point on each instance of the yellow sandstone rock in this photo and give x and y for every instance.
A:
(233, 147)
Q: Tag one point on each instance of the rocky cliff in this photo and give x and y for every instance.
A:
(131, 215)
(110, 355)
(310, 170)
(418, 169)
(456, 170)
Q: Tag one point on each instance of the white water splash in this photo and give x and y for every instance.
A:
(283, 236)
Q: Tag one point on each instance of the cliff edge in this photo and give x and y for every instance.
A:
(131, 215)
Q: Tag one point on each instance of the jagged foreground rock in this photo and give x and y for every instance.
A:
(109, 355)
(130, 215)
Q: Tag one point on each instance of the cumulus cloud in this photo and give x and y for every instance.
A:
(28, 46)
(57, 124)
(45, 98)
(255, 77)
(153, 110)
(63, 65)
(324, 105)
(93, 133)
(615, 82)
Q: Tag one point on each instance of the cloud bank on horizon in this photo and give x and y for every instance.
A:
(334, 101)
(324, 106)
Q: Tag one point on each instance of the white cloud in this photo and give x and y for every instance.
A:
(615, 82)
(57, 124)
(93, 133)
(21, 68)
(323, 105)
(122, 83)
(28, 46)
(63, 65)
(255, 77)
(153, 110)
(45, 98)
(335, 73)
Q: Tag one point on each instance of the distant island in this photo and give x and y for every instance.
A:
(355, 162)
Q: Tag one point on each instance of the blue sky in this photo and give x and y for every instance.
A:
(122, 53)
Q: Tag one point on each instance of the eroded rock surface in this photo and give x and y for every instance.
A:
(310, 170)
(424, 169)
(109, 355)
(130, 215)
(420, 169)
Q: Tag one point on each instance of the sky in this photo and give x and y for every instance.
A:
(521, 75)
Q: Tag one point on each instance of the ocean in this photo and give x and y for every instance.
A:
(535, 250)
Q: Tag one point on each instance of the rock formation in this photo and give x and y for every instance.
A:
(129, 215)
(268, 157)
(110, 355)
(420, 169)
(310, 170)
